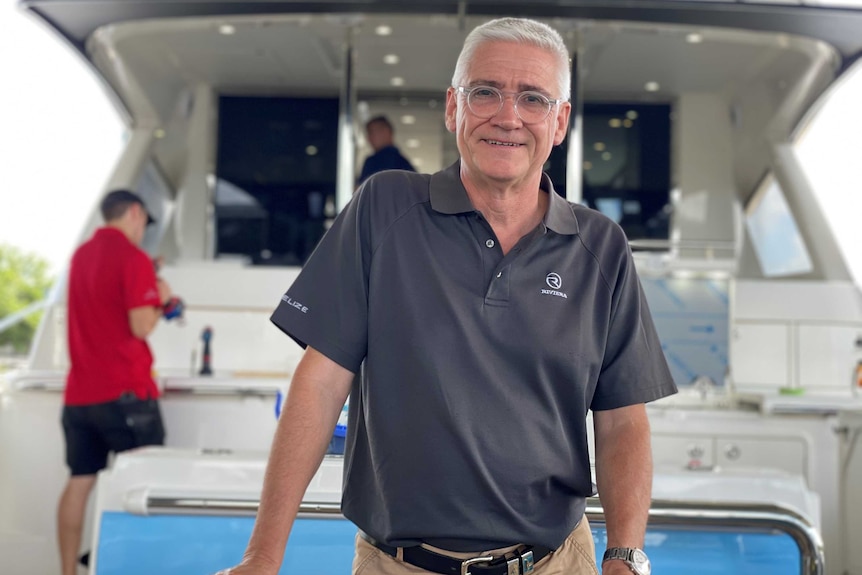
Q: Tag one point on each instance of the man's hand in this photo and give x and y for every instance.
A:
(250, 567)
(165, 292)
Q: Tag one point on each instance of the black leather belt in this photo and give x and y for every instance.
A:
(517, 562)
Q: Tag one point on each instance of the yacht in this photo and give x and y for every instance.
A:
(694, 126)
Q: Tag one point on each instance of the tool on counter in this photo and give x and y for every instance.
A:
(206, 336)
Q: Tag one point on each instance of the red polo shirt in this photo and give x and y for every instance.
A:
(109, 276)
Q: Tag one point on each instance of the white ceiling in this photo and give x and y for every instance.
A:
(306, 55)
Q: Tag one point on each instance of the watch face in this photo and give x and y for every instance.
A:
(640, 562)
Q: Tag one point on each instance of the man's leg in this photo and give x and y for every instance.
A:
(70, 519)
(91, 433)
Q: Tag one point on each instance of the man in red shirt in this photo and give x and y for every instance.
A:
(110, 402)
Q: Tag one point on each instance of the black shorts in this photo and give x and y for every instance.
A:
(93, 431)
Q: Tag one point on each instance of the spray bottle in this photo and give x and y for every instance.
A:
(336, 444)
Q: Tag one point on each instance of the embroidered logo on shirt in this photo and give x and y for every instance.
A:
(555, 282)
(293, 303)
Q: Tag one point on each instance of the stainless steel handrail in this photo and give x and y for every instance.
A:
(662, 513)
(237, 391)
(767, 517)
(167, 505)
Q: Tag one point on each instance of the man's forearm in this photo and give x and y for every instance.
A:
(305, 427)
(624, 473)
(143, 320)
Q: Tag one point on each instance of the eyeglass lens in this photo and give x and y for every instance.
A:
(486, 102)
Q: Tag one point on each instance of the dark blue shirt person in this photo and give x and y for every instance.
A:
(386, 155)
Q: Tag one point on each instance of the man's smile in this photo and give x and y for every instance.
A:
(501, 143)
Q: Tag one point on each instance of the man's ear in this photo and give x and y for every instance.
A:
(562, 125)
(451, 109)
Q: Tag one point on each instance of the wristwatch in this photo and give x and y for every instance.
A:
(635, 558)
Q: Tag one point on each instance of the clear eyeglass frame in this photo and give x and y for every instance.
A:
(534, 105)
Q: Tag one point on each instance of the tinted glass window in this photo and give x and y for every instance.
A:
(276, 172)
(626, 166)
(774, 233)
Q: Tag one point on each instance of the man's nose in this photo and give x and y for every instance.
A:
(508, 111)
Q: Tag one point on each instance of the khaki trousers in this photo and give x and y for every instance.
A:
(576, 556)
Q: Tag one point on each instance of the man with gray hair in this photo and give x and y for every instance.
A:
(475, 317)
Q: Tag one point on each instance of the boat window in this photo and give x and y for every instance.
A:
(774, 234)
(692, 318)
(829, 152)
(276, 175)
(626, 166)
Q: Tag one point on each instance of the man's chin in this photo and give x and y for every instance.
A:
(503, 172)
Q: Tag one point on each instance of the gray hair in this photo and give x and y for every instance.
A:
(518, 31)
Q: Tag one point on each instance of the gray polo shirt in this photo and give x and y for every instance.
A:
(476, 370)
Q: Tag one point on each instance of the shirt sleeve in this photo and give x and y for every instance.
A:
(139, 281)
(326, 307)
(634, 369)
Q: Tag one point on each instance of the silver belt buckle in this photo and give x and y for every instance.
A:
(465, 565)
(527, 560)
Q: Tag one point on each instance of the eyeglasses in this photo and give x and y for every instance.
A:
(487, 101)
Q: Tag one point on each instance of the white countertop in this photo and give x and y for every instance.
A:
(807, 402)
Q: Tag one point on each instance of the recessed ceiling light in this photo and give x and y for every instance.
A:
(599, 146)
(412, 143)
(615, 123)
(408, 119)
(226, 29)
(397, 81)
(632, 115)
(588, 165)
(628, 123)
(606, 156)
(651, 87)
(391, 59)
(158, 133)
(311, 150)
(383, 30)
(694, 38)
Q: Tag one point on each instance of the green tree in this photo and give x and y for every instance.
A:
(24, 280)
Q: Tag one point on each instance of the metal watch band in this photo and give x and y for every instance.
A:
(636, 560)
(623, 553)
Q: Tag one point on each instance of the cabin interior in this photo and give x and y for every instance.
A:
(245, 137)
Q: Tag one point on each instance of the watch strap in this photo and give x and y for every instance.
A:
(624, 553)
(636, 560)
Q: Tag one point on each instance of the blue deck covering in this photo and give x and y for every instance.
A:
(199, 545)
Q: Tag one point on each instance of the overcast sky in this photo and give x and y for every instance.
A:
(60, 138)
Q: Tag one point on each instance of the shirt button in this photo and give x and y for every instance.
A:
(489, 243)
(499, 274)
